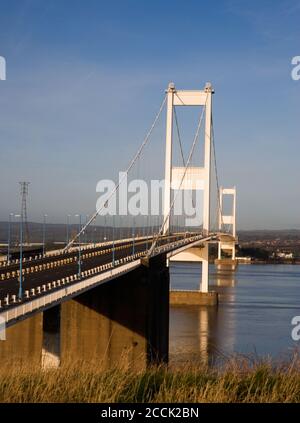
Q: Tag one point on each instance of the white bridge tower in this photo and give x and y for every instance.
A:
(227, 242)
(196, 177)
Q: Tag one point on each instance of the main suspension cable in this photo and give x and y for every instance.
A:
(150, 251)
(181, 148)
(216, 173)
(136, 156)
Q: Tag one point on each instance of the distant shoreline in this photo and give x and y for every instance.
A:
(240, 262)
(295, 262)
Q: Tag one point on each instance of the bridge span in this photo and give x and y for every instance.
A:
(62, 314)
(111, 300)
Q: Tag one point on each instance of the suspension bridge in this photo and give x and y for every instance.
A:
(106, 298)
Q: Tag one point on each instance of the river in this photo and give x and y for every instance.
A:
(256, 306)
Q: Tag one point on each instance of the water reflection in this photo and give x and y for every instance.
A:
(223, 278)
(197, 332)
(189, 333)
(254, 313)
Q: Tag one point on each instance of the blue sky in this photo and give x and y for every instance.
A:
(84, 80)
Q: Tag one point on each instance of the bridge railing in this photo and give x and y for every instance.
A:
(48, 294)
(64, 293)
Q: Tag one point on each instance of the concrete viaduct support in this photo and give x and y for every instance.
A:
(125, 321)
(202, 296)
(122, 322)
(23, 342)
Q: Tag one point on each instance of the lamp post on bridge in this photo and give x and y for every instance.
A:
(86, 230)
(9, 237)
(44, 233)
(79, 245)
(68, 224)
(94, 237)
(113, 240)
(133, 244)
(147, 231)
(21, 256)
(133, 238)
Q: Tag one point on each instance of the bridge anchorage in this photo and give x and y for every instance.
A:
(115, 304)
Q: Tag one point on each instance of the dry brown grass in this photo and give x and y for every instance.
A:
(239, 380)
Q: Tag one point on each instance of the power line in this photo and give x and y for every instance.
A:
(24, 193)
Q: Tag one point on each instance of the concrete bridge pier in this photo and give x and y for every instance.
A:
(227, 243)
(23, 343)
(203, 296)
(124, 322)
(226, 263)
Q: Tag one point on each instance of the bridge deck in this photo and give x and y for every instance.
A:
(92, 257)
(62, 282)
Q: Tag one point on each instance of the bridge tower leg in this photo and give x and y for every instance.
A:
(168, 158)
(206, 196)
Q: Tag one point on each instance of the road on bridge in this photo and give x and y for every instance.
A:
(40, 275)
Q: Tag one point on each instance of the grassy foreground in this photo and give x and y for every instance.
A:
(240, 380)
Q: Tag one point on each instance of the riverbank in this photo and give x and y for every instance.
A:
(253, 261)
(245, 261)
(240, 380)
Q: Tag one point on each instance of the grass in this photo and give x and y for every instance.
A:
(239, 380)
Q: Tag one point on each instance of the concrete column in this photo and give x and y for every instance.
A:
(23, 344)
(202, 296)
(233, 251)
(124, 322)
(219, 251)
(226, 263)
(205, 263)
(158, 311)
